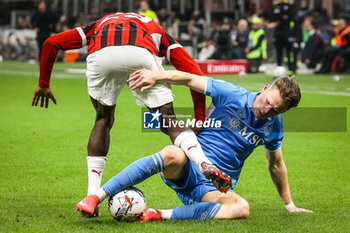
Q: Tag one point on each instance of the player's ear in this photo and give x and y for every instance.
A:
(266, 86)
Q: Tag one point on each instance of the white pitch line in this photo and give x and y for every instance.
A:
(54, 74)
(76, 71)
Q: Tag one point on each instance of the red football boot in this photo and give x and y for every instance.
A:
(88, 205)
(221, 180)
(151, 215)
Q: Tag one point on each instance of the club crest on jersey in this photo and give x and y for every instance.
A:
(235, 123)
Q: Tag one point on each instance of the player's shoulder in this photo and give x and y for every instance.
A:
(226, 85)
(226, 91)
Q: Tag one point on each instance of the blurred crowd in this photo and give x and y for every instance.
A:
(287, 34)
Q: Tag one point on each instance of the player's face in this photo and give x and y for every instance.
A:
(269, 103)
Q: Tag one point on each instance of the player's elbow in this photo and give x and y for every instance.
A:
(275, 166)
(50, 42)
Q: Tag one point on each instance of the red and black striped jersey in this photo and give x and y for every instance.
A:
(120, 29)
(127, 29)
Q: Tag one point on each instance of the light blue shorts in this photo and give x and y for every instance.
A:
(193, 186)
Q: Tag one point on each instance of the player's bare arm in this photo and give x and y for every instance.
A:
(146, 79)
(44, 95)
(279, 176)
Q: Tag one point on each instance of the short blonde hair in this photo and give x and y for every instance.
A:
(289, 90)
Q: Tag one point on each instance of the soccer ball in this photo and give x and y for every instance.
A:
(279, 72)
(127, 205)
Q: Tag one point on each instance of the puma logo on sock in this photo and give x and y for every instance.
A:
(99, 173)
(189, 148)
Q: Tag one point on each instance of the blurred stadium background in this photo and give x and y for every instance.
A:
(209, 29)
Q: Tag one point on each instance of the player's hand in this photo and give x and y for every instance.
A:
(142, 78)
(44, 94)
(295, 209)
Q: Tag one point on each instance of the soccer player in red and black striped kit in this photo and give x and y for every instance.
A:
(119, 44)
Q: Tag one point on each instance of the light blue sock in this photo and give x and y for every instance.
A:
(203, 211)
(135, 173)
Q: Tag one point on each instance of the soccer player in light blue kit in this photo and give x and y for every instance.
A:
(247, 121)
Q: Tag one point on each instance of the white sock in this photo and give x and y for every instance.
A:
(166, 214)
(188, 142)
(101, 193)
(95, 165)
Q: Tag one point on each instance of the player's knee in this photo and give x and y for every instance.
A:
(244, 209)
(237, 210)
(173, 155)
(105, 122)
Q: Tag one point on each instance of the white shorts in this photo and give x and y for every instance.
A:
(109, 68)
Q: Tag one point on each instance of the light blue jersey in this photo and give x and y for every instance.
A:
(240, 132)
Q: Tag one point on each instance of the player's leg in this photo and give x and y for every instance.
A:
(171, 159)
(98, 144)
(279, 49)
(201, 199)
(214, 205)
(233, 205)
(106, 75)
(291, 58)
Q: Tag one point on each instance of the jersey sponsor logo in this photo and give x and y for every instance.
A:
(251, 137)
(99, 173)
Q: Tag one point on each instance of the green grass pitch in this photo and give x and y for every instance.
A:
(43, 166)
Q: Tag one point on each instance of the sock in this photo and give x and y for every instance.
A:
(188, 142)
(95, 165)
(203, 211)
(101, 193)
(136, 172)
(166, 214)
